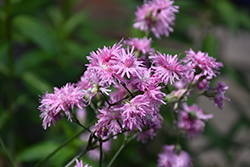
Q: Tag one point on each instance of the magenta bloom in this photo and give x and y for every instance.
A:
(134, 113)
(171, 158)
(80, 164)
(191, 119)
(167, 68)
(157, 16)
(218, 98)
(100, 61)
(144, 136)
(109, 122)
(64, 99)
(142, 44)
(203, 62)
(125, 63)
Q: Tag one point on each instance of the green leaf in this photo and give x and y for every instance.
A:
(36, 152)
(244, 20)
(36, 82)
(37, 32)
(32, 60)
(74, 21)
(227, 12)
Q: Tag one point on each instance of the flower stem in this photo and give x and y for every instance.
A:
(62, 145)
(5, 150)
(126, 141)
(127, 90)
(78, 122)
(100, 160)
(59, 148)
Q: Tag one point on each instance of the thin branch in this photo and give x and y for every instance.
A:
(131, 94)
(101, 154)
(59, 148)
(7, 153)
(75, 120)
(106, 99)
(125, 142)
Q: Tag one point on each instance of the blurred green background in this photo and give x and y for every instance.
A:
(44, 44)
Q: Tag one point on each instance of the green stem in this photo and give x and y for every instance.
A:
(100, 160)
(90, 146)
(7, 153)
(125, 142)
(59, 148)
(131, 94)
(62, 145)
(78, 122)
(76, 157)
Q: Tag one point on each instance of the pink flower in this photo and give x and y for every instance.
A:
(170, 157)
(167, 68)
(157, 16)
(218, 98)
(100, 61)
(64, 99)
(190, 119)
(142, 44)
(80, 164)
(109, 122)
(144, 136)
(134, 113)
(201, 61)
(125, 63)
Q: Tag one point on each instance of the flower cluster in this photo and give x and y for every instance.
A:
(156, 16)
(131, 81)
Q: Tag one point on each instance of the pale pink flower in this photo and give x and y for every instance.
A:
(201, 61)
(134, 113)
(109, 122)
(191, 119)
(63, 99)
(144, 136)
(100, 61)
(170, 157)
(157, 16)
(167, 68)
(80, 164)
(125, 63)
(219, 96)
(141, 44)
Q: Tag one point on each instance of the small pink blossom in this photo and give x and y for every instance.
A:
(134, 113)
(125, 63)
(167, 68)
(201, 61)
(109, 122)
(144, 136)
(191, 119)
(62, 99)
(170, 157)
(218, 98)
(157, 16)
(80, 164)
(141, 44)
(100, 61)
